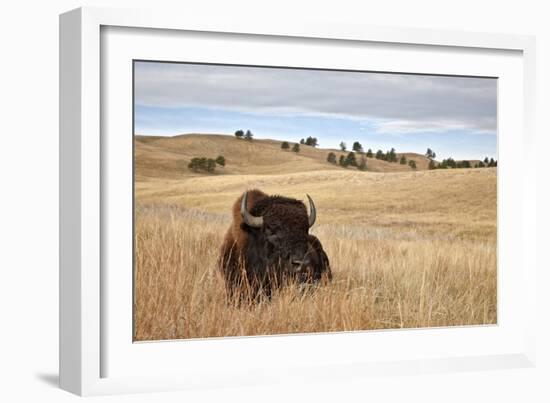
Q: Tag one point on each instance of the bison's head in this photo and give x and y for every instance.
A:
(278, 233)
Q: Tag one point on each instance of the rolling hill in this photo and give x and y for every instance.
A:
(168, 157)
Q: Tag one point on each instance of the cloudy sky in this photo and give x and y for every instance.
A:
(455, 116)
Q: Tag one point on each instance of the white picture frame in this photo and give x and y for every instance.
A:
(86, 346)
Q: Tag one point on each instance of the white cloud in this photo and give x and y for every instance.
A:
(397, 103)
(412, 127)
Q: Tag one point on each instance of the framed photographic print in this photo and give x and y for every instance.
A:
(389, 239)
(323, 188)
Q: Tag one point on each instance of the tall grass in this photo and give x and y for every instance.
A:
(384, 277)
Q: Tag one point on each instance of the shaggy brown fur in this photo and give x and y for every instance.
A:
(318, 258)
(252, 260)
(236, 233)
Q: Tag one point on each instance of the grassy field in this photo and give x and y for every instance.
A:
(407, 248)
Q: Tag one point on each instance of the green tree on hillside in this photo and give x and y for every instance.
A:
(220, 160)
(430, 153)
(412, 164)
(351, 160)
(342, 146)
(199, 164)
(342, 161)
(239, 134)
(248, 135)
(311, 141)
(285, 145)
(210, 165)
(391, 156)
(486, 161)
(296, 148)
(331, 157)
(369, 153)
(403, 160)
(302, 141)
(380, 155)
(447, 163)
(357, 147)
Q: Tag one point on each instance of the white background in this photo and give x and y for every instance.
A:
(29, 212)
(241, 355)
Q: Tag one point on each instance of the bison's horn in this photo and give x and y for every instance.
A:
(249, 219)
(312, 211)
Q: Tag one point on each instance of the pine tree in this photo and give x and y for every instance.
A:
(331, 157)
(285, 145)
(296, 148)
(412, 164)
(239, 134)
(210, 165)
(248, 135)
(357, 147)
(342, 146)
(448, 163)
(369, 153)
(391, 156)
(198, 164)
(351, 160)
(430, 153)
(380, 155)
(403, 160)
(342, 161)
(311, 141)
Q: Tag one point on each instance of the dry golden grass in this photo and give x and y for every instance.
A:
(407, 249)
(167, 157)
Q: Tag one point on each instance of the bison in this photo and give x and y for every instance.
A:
(268, 244)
